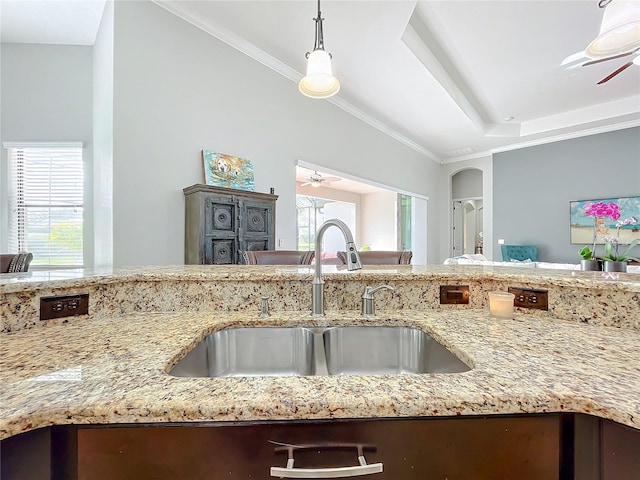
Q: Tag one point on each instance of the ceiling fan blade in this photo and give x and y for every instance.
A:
(593, 62)
(305, 184)
(575, 57)
(619, 70)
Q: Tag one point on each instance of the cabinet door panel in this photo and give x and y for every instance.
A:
(221, 216)
(461, 448)
(620, 451)
(256, 218)
(220, 251)
(256, 244)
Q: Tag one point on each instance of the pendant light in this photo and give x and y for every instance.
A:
(319, 81)
(619, 31)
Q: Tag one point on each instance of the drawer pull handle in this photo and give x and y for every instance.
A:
(335, 472)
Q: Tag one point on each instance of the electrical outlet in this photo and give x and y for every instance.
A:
(454, 294)
(64, 306)
(530, 298)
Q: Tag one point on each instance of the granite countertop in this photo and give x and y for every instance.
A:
(103, 370)
(30, 281)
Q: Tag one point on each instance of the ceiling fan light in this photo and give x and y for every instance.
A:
(319, 81)
(619, 32)
(315, 183)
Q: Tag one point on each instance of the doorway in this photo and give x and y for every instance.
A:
(386, 218)
(467, 226)
(467, 213)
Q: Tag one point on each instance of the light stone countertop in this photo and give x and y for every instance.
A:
(113, 370)
(588, 297)
(33, 280)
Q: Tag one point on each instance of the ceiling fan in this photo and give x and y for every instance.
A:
(316, 180)
(619, 36)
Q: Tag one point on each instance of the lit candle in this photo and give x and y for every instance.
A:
(501, 304)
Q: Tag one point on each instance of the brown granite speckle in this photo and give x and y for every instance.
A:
(114, 371)
(586, 297)
(111, 366)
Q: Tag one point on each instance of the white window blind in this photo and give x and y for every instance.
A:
(46, 203)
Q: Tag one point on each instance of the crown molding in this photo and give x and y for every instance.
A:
(541, 141)
(568, 136)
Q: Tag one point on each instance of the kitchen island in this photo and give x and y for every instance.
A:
(110, 367)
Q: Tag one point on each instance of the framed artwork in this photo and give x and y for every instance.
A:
(582, 225)
(224, 170)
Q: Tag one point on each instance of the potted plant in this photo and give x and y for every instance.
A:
(589, 262)
(614, 261)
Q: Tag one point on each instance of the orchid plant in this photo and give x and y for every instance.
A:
(612, 243)
(598, 210)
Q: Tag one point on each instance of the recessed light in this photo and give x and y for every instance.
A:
(508, 119)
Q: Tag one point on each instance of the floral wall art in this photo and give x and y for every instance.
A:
(619, 217)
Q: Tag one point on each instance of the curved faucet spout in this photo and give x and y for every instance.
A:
(353, 263)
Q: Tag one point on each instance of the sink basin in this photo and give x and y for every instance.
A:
(380, 350)
(241, 352)
(300, 351)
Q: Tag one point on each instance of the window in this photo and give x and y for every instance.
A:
(310, 216)
(46, 193)
(312, 212)
(404, 237)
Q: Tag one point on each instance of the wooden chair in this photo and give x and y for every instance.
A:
(278, 257)
(381, 257)
(15, 262)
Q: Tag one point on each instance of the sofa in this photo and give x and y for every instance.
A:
(479, 259)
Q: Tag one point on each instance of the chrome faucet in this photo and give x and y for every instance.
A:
(353, 263)
(368, 307)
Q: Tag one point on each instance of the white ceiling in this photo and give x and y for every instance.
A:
(50, 21)
(440, 76)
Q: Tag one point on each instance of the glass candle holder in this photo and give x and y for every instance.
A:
(501, 304)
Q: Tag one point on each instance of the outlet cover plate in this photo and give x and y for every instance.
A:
(61, 306)
(454, 294)
(530, 298)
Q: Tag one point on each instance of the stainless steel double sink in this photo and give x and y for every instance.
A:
(302, 351)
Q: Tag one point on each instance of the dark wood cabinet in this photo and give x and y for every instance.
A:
(544, 446)
(409, 449)
(220, 223)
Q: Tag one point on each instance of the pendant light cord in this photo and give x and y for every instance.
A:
(319, 43)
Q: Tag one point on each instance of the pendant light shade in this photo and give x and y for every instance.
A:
(619, 32)
(319, 81)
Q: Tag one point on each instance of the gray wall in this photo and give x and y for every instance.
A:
(47, 96)
(46, 93)
(178, 90)
(533, 187)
